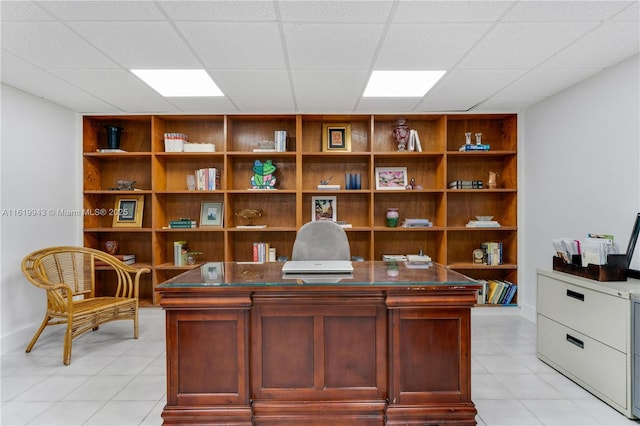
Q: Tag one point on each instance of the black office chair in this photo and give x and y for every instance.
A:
(321, 240)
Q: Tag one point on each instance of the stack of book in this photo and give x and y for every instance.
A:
(128, 259)
(417, 223)
(207, 179)
(483, 224)
(499, 292)
(492, 253)
(475, 147)
(466, 184)
(183, 222)
(260, 251)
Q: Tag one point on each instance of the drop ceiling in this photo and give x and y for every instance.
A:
(310, 56)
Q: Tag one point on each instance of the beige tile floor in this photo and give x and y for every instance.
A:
(114, 379)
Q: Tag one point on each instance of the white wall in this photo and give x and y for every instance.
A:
(39, 173)
(580, 162)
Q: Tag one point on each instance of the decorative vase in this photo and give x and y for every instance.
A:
(113, 136)
(392, 217)
(401, 134)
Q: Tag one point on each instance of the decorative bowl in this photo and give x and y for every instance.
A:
(484, 218)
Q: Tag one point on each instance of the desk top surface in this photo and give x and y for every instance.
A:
(382, 275)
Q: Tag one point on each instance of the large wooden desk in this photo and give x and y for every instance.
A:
(375, 349)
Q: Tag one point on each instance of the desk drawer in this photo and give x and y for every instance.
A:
(601, 316)
(600, 367)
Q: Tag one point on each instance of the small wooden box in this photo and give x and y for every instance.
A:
(614, 270)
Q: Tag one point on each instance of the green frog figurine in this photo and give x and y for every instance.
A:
(263, 177)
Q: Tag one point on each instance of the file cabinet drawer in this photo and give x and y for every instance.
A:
(598, 367)
(601, 316)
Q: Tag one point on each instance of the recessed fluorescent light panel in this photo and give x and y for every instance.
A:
(179, 83)
(401, 84)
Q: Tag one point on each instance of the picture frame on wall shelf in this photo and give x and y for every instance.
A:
(212, 272)
(391, 178)
(336, 137)
(128, 210)
(324, 208)
(211, 214)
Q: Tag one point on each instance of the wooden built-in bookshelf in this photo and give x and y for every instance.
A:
(161, 177)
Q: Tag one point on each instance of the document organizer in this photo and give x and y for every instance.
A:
(614, 270)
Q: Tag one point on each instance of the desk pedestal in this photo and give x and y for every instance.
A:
(347, 356)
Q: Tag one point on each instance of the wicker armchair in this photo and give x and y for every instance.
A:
(68, 276)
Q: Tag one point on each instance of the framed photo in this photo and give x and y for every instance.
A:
(324, 208)
(336, 137)
(212, 272)
(127, 212)
(211, 214)
(391, 178)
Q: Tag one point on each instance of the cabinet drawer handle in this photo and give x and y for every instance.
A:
(575, 295)
(579, 343)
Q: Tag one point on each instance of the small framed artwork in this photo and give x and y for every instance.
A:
(212, 272)
(324, 208)
(211, 214)
(391, 178)
(336, 137)
(128, 210)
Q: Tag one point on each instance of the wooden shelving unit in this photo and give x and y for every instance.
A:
(161, 178)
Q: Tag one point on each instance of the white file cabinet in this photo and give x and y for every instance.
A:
(585, 332)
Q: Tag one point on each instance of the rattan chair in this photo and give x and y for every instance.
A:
(68, 276)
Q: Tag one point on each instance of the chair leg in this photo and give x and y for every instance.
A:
(135, 325)
(68, 339)
(45, 321)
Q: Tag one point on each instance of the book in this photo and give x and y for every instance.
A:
(416, 223)
(475, 147)
(109, 150)
(260, 251)
(327, 186)
(128, 259)
(483, 224)
(264, 150)
(394, 257)
(251, 226)
(466, 184)
(207, 179)
(182, 223)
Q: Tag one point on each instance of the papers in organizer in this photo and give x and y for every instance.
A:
(566, 247)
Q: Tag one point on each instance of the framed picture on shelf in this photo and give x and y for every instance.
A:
(391, 178)
(128, 211)
(211, 214)
(324, 208)
(212, 272)
(336, 137)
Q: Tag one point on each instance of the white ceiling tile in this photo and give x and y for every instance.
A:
(474, 83)
(51, 44)
(103, 10)
(608, 44)
(213, 105)
(110, 82)
(219, 11)
(331, 46)
(450, 11)
(325, 105)
(448, 104)
(329, 83)
(545, 82)
(249, 82)
(235, 45)
(630, 14)
(9, 61)
(523, 45)
(44, 85)
(22, 10)
(507, 105)
(139, 44)
(264, 105)
(419, 46)
(558, 11)
(335, 11)
(387, 105)
(146, 104)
